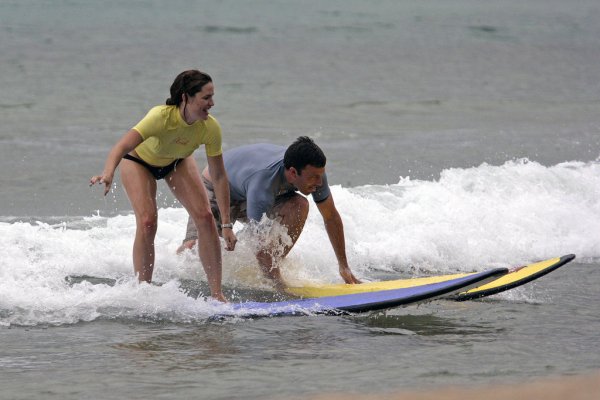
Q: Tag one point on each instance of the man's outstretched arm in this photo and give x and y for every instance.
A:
(335, 231)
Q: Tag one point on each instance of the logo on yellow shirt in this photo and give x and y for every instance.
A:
(181, 141)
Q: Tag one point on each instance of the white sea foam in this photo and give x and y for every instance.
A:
(468, 220)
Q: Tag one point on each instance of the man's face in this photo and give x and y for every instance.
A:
(309, 180)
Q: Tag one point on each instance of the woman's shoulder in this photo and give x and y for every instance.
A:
(167, 115)
(164, 110)
(211, 123)
(211, 120)
(161, 111)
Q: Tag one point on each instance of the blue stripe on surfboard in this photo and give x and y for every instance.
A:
(361, 302)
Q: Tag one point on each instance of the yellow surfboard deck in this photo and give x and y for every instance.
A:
(515, 277)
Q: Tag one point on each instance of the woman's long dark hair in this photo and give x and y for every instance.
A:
(189, 83)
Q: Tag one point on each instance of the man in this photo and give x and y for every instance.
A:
(264, 179)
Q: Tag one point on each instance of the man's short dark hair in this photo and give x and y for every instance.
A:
(304, 152)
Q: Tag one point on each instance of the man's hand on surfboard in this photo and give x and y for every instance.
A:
(348, 276)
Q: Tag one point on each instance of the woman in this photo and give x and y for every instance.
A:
(161, 146)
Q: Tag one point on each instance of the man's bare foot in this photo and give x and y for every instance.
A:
(187, 245)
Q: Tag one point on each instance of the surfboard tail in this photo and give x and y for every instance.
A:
(515, 278)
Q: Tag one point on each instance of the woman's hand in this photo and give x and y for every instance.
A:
(127, 143)
(105, 179)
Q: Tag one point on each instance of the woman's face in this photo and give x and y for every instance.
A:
(199, 104)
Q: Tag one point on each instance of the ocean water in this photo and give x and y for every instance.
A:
(460, 135)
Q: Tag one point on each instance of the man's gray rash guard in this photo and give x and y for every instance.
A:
(256, 176)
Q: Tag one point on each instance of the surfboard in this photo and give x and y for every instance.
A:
(516, 277)
(360, 302)
(342, 304)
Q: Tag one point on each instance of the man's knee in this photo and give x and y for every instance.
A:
(294, 209)
(300, 205)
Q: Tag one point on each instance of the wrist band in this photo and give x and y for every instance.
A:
(230, 226)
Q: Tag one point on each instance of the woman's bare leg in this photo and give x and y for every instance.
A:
(187, 186)
(140, 186)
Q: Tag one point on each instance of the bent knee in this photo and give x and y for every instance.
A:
(203, 218)
(147, 223)
(301, 202)
(298, 204)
